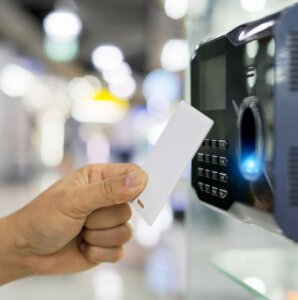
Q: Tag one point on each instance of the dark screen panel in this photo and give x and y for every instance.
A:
(213, 83)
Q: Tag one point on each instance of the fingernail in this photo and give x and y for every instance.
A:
(130, 226)
(132, 180)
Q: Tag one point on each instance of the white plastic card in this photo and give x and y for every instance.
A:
(165, 164)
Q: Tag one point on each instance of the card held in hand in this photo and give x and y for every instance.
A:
(166, 162)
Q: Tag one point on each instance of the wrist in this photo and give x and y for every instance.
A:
(12, 261)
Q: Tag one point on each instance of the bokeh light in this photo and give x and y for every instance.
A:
(124, 89)
(253, 5)
(107, 57)
(175, 55)
(176, 9)
(108, 284)
(62, 25)
(16, 81)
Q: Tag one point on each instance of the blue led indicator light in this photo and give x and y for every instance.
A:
(251, 167)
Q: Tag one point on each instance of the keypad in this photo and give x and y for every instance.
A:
(214, 175)
(207, 143)
(208, 188)
(207, 173)
(207, 158)
(214, 143)
(222, 193)
(212, 170)
(214, 191)
(223, 144)
(200, 157)
(201, 186)
(223, 177)
(201, 172)
(223, 161)
(214, 159)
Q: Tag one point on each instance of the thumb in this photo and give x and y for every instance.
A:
(110, 191)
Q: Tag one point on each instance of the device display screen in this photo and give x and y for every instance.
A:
(212, 79)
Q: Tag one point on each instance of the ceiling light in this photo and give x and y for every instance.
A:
(175, 55)
(62, 25)
(90, 111)
(117, 74)
(176, 9)
(60, 50)
(102, 108)
(107, 57)
(52, 137)
(124, 89)
(162, 84)
(93, 81)
(108, 284)
(253, 5)
(16, 81)
(80, 89)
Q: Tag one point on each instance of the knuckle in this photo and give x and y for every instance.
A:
(114, 192)
(86, 170)
(116, 255)
(108, 188)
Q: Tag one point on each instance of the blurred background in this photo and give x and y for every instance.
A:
(96, 81)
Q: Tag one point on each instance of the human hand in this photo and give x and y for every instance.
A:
(77, 223)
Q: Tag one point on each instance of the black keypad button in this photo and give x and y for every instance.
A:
(207, 173)
(214, 143)
(201, 186)
(214, 191)
(223, 177)
(207, 158)
(201, 172)
(200, 156)
(223, 144)
(207, 143)
(214, 175)
(223, 161)
(222, 193)
(207, 188)
(214, 159)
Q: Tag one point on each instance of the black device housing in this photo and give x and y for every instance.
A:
(247, 81)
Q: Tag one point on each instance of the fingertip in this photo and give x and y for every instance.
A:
(98, 254)
(130, 225)
(135, 179)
